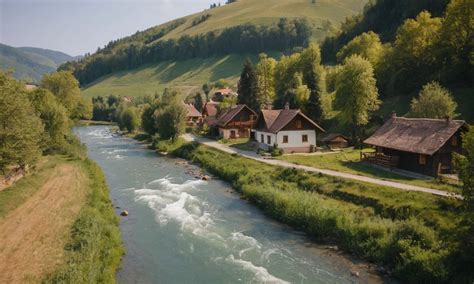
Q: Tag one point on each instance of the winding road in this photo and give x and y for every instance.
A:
(252, 155)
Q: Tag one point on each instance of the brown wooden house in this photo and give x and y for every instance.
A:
(236, 122)
(419, 145)
(335, 141)
(193, 116)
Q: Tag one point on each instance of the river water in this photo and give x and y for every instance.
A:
(184, 230)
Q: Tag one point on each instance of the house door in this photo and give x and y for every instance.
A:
(232, 134)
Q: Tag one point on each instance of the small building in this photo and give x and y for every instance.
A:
(221, 94)
(419, 145)
(291, 130)
(193, 116)
(335, 141)
(236, 122)
(209, 116)
(31, 87)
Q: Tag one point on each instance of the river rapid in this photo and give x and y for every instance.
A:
(185, 230)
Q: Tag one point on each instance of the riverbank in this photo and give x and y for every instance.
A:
(58, 224)
(411, 233)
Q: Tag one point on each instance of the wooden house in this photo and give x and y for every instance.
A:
(419, 145)
(193, 116)
(221, 94)
(290, 130)
(335, 141)
(236, 122)
(209, 113)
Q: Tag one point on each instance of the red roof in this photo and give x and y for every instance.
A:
(277, 119)
(191, 111)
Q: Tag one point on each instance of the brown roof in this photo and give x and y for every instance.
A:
(275, 120)
(211, 108)
(228, 114)
(226, 91)
(332, 136)
(416, 135)
(191, 111)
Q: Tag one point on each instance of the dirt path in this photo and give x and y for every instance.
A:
(32, 237)
(255, 156)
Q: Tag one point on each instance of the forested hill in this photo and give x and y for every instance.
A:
(241, 27)
(30, 63)
(382, 17)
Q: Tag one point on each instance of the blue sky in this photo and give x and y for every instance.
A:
(79, 26)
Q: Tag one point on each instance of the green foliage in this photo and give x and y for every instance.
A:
(356, 93)
(265, 71)
(95, 250)
(170, 116)
(20, 129)
(367, 45)
(198, 102)
(433, 101)
(313, 77)
(66, 89)
(129, 119)
(54, 116)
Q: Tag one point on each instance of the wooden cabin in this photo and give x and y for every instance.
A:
(335, 141)
(419, 145)
(193, 116)
(291, 130)
(236, 122)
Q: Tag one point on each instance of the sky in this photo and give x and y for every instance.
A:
(80, 26)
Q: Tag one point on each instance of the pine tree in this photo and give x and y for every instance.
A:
(198, 102)
(248, 87)
(313, 78)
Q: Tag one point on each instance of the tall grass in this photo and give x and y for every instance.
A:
(380, 224)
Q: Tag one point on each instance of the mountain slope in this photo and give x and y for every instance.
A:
(146, 48)
(30, 63)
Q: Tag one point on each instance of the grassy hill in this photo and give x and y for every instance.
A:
(189, 75)
(29, 63)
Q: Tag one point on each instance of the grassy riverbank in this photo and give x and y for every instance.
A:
(411, 233)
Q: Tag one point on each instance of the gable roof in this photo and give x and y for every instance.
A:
(415, 135)
(191, 111)
(332, 136)
(275, 120)
(210, 108)
(228, 114)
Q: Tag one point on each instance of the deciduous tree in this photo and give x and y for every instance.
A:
(433, 101)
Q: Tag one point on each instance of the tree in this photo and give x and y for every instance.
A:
(313, 74)
(206, 88)
(265, 71)
(170, 116)
(20, 128)
(66, 88)
(433, 101)
(367, 45)
(148, 120)
(198, 102)
(356, 93)
(248, 87)
(130, 119)
(83, 110)
(54, 116)
(284, 77)
(464, 165)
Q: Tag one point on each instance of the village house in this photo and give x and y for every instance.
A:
(335, 141)
(222, 94)
(193, 116)
(209, 117)
(419, 145)
(236, 122)
(289, 129)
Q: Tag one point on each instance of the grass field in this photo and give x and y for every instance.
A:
(349, 162)
(187, 76)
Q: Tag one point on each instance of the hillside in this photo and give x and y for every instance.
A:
(30, 63)
(194, 41)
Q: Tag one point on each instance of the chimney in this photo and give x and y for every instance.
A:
(287, 105)
(448, 119)
(394, 114)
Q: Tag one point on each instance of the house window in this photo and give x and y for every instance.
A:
(285, 138)
(304, 138)
(298, 124)
(269, 140)
(262, 139)
(454, 141)
(422, 159)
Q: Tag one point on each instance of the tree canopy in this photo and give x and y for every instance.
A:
(433, 101)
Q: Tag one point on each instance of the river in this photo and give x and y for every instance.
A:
(185, 230)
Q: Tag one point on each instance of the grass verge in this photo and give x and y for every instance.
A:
(349, 162)
(411, 233)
